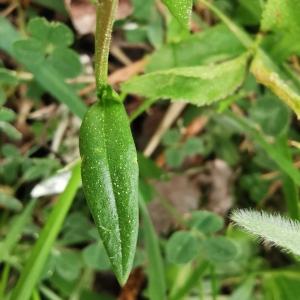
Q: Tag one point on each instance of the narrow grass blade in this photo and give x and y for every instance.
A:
(34, 266)
(155, 268)
(191, 281)
(291, 195)
(15, 231)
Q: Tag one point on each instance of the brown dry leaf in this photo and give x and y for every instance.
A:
(218, 183)
(83, 14)
(180, 193)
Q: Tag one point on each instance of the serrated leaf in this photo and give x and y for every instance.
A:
(214, 44)
(197, 85)
(182, 247)
(267, 74)
(181, 10)
(66, 62)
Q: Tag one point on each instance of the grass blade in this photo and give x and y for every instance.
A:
(155, 268)
(15, 231)
(32, 270)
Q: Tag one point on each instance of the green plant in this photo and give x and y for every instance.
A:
(233, 143)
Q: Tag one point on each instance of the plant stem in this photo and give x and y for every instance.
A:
(105, 13)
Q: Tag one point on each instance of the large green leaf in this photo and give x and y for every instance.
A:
(214, 44)
(197, 85)
(181, 10)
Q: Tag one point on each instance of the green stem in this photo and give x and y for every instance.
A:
(243, 37)
(105, 13)
(34, 266)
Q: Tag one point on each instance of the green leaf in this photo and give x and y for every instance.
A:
(284, 162)
(110, 179)
(6, 114)
(245, 290)
(7, 77)
(181, 10)
(10, 131)
(46, 76)
(174, 157)
(281, 285)
(68, 264)
(206, 221)
(277, 230)
(193, 146)
(66, 62)
(95, 257)
(29, 50)
(15, 230)
(219, 249)
(281, 14)
(171, 137)
(197, 85)
(157, 282)
(182, 247)
(55, 33)
(214, 44)
(278, 118)
(9, 202)
(40, 252)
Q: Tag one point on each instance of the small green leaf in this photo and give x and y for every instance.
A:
(95, 257)
(201, 85)
(6, 114)
(30, 50)
(7, 77)
(278, 119)
(193, 146)
(171, 137)
(219, 249)
(182, 247)
(54, 33)
(10, 131)
(181, 10)
(66, 62)
(174, 157)
(206, 221)
(277, 230)
(68, 264)
(9, 202)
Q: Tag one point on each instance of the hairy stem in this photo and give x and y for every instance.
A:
(106, 10)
